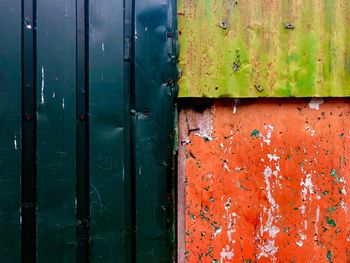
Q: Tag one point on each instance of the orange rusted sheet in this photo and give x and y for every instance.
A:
(265, 181)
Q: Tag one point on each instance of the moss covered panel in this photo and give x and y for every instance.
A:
(264, 48)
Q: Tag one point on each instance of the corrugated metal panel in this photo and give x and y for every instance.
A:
(277, 48)
(153, 134)
(86, 123)
(265, 180)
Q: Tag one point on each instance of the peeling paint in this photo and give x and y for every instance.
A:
(315, 103)
(267, 188)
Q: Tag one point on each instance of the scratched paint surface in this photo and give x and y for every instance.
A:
(267, 181)
(273, 48)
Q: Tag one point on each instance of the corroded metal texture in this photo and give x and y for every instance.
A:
(265, 181)
(275, 48)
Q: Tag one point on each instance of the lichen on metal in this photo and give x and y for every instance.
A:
(264, 48)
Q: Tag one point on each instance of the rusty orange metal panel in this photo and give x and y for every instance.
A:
(264, 48)
(265, 180)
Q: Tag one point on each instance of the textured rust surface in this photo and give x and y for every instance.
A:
(264, 48)
(265, 181)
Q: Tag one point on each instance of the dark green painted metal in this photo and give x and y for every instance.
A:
(28, 180)
(155, 90)
(108, 134)
(128, 70)
(10, 130)
(56, 130)
(94, 82)
(82, 185)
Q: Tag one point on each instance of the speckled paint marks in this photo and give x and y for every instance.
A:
(264, 48)
(265, 180)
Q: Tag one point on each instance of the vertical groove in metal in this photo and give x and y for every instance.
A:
(130, 217)
(133, 121)
(82, 151)
(28, 180)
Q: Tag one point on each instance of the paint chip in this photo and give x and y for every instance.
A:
(315, 103)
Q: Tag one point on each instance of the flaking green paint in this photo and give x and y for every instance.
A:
(329, 256)
(333, 173)
(255, 133)
(255, 55)
(330, 222)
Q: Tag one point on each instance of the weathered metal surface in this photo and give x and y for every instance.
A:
(56, 130)
(266, 181)
(10, 131)
(86, 123)
(152, 128)
(277, 48)
(109, 134)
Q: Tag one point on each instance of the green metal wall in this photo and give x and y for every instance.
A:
(87, 94)
(264, 48)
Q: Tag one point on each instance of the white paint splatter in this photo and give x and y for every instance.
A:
(205, 136)
(226, 166)
(226, 253)
(302, 236)
(343, 190)
(235, 106)
(217, 231)
(53, 95)
(299, 243)
(343, 206)
(227, 205)
(274, 230)
(28, 26)
(307, 186)
(238, 169)
(103, 48)
(269, 129)
(268, 249)
(231, 228)
(317, 219)
(42, 99)
(312, 130)
(63, 103)
(315, 103)
(274, 157)
(15, 142)
(267, 175)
